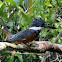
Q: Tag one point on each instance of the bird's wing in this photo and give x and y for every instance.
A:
(23, 36)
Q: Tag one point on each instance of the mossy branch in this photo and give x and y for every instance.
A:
(34, 46)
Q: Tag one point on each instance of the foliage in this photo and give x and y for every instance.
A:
(15, 13)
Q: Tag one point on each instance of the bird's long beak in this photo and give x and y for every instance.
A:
(48, 26)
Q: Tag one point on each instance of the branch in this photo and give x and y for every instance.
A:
(59, 35)
(35, 47)
(30, 7)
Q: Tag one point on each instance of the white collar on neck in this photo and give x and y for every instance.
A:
(36, 28)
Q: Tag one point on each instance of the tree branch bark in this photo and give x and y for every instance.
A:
(35, 47)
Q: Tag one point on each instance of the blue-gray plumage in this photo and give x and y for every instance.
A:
(38, 22)
(23, 35)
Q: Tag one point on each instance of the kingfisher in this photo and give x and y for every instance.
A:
(27, 35)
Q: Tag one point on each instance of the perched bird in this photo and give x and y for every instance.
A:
(27, 35)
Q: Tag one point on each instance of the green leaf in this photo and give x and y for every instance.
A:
(45, 19)
(57, 19)
(54, 2)
(31, 55)
(1, 3)
(20, 9)
(58, 29)
(27, 18)
(26, 2)
(60, 2)
(11, 2)
(43, 1)
(59, 41)
(44, 32)
(48, 4)
(3, 10)
(19, 57)
(52, 39)
(10, 24)
(21, 2)
(10, 59)
(53, 16)
(18, 2)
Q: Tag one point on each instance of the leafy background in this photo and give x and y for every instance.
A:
(18, 15)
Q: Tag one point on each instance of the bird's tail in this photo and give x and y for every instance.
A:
(8, 33)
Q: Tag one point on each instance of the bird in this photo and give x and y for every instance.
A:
(28, 35)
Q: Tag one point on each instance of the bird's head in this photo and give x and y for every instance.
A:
(38, 24)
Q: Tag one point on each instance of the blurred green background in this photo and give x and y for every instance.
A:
(18, 15)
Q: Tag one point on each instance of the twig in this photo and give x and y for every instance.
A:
(46, 35)
(30, 7)
(22, 53)
(59, 35)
